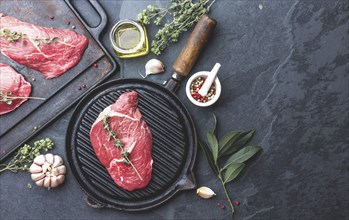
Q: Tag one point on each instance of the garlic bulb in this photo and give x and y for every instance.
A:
(48, 170)
(153, 66)
(205, 192)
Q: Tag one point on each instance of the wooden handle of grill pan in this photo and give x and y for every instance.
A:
(194, 45)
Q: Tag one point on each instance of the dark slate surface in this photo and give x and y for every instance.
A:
(285, 73)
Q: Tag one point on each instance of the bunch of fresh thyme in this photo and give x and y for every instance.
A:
(25, 156)
(118, 143)
(15, 36)
(184, 12)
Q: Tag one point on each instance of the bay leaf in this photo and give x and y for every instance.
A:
(212, 140)
(208, 155)
(242, 155)
(243, 138)
(232, 171)
(227, 140)
(214, 131)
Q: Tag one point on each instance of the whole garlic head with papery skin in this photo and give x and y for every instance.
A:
(48, 170)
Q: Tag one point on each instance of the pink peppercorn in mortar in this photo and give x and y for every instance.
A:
(195, 83)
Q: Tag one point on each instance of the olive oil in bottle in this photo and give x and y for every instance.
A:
(129, 39)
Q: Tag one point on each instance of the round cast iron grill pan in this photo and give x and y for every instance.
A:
(173, 152)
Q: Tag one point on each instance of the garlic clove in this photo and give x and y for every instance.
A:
(40, 160)
(35, 168)
(49, 158)
(47, 181)
(37, 176)
(54, 182)
(46, 167)
(57, 180)
(57, 161)
(40, 182)
(58, 170)
(153, 66)
(205, 192)
(60, 178)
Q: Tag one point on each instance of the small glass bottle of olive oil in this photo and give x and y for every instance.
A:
(129, 39)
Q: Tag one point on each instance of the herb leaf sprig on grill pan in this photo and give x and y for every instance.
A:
(184, 14)
(230, 148)
(119, 144)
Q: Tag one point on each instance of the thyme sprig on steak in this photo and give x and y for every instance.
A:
(15, 36)
(118, 144)
(7, 97)
(11, 36)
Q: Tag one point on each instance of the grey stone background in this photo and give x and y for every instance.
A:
(284, 72)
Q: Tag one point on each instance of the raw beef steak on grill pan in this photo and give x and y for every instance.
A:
(125, 119)
(12, 84)
(50, 51)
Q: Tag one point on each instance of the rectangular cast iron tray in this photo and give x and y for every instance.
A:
(27, 120)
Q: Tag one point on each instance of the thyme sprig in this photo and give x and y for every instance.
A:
(7, 97)
(184, 14)
(11, 36)
(119, 144)
(37, 41)
(15, 36)
(231, 148)
(25, 156)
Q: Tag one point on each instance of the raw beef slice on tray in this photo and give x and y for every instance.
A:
(50, 51)
(12, 84)
(125, 119)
